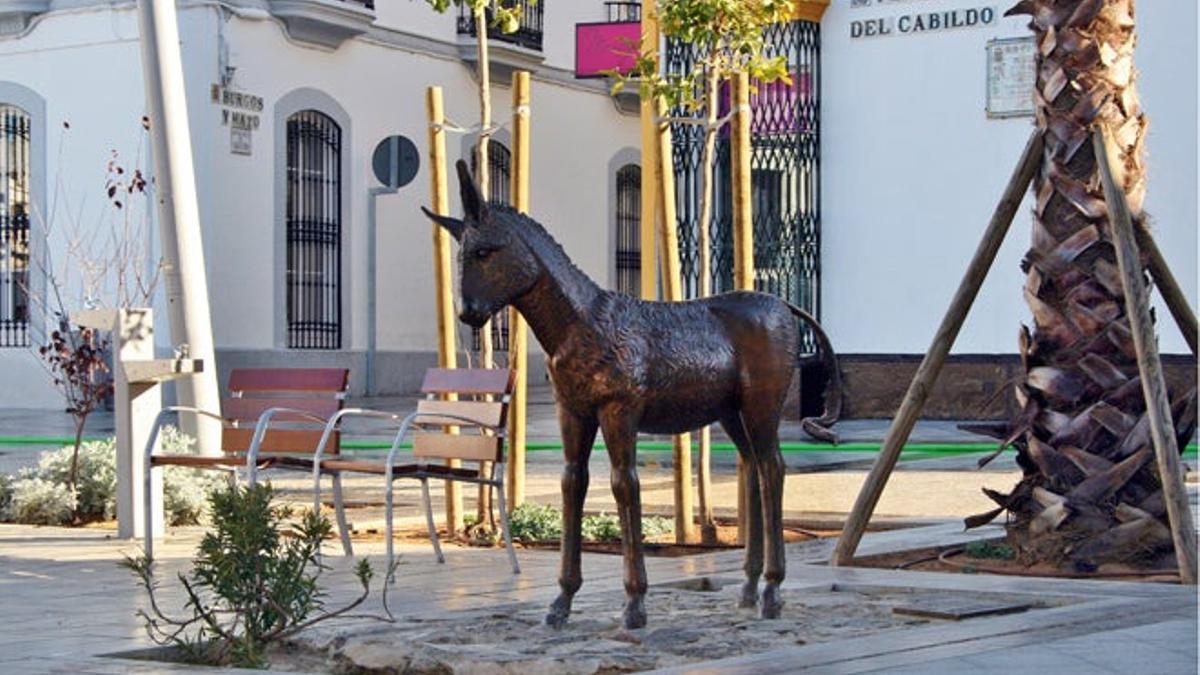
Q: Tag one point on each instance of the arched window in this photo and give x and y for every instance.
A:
(499, 192)
(314, 231)
(14, 226)
(629, 218)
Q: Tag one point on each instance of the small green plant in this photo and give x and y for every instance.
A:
(250, 585)
(652, 526)
(989, 550)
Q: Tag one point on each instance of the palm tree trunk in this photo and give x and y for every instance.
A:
(1090, 493)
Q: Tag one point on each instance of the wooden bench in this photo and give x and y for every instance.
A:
(455, 420)
(275, 418)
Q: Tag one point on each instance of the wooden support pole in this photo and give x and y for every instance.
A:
(743, 237)
(440, 195)
(1154, 387)
(649, 190)
(943, 340)
(668, 248)
(1172, 294)
(518, 334)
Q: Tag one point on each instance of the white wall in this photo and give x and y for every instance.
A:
(912, 169)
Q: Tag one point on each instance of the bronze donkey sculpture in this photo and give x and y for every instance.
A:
(622, 366)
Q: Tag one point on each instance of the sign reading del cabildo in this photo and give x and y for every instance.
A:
(923, 22)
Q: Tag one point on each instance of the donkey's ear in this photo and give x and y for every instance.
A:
(453, 225)
(474, 205)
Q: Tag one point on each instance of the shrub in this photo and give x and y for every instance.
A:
(602, 527)
(41, 502)
(249, 585)
(652, 526)
(531, 522)
(184, 488)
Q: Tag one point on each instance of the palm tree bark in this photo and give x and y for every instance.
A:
(1089, 494)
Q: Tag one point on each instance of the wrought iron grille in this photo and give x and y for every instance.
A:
(629, 243)
(785, 179)
(314, 231)
(527, 35)
(14, 226)
(499, 193)
(619, 12)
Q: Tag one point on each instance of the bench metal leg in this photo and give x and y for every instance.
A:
(433, 535)
(388, 498)
(148, 511)
(512, 555)
(339, 507)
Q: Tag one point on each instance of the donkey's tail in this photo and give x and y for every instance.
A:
(818, 427)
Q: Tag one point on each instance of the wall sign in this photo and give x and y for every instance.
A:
(923, 22)
(1011, 77)
(240, 112)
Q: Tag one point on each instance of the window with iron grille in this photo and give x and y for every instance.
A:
(499, 181)
(14, 226)
(314, 231)
(629, 243)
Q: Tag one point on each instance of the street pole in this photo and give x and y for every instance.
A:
(178, 210)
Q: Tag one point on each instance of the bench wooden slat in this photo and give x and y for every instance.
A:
(467, 381)
(487, 413)
(449, 446)
(295, 441)
(253, 408)
(330, 380)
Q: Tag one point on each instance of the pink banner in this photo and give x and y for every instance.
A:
(606, 46)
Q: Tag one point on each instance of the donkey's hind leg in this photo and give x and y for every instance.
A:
(754, 544)
(763, 430)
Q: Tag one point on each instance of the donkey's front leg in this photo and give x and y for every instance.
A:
(578, 435)
(620, 435)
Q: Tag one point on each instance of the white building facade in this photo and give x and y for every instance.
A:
(288, 98)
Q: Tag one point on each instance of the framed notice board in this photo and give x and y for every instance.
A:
(1011, 77)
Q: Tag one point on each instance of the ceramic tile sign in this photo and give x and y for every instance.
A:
(240, 112)
(918, 22)
(1011, 71)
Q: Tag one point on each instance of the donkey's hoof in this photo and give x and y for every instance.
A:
(635, 614)
(772, 604)
(560, 609)
(749, 597)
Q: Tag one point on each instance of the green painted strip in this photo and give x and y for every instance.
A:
(931, 449)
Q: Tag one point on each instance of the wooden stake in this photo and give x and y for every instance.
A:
(649, 207)
(1154, 387)
(943, 340)
(440, 193)
(743, 236)
(668, 248)
(1177, 302)
(518, 338)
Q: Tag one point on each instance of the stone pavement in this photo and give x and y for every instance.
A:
(67, 607)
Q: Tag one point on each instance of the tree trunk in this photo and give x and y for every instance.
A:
(1082, 435)
(73, 476)
(483, 502)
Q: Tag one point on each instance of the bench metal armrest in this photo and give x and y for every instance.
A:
(260, 432)
(162, 417)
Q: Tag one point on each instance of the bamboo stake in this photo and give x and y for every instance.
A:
(1154, 387)
(518, 358)
(743, 238)
(1172, 294)
(943, 340)
(649, 189)
(440, 192)
(708, 527)
(668, 248)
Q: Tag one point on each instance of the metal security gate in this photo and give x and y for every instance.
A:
(500, 191)
(14, 227)
(629, 243)
(785, 180)
(314, 231)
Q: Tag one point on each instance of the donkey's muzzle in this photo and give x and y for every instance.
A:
(474, 314)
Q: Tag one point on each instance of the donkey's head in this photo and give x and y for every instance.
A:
(495, 263)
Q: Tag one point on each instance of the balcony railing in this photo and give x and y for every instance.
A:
(528, 35)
